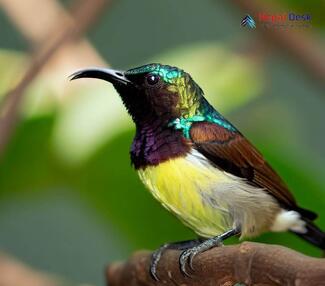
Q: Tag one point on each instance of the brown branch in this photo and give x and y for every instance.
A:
(248, 263)
(84, 14)
(16, 273)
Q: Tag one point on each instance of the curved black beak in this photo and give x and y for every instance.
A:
(110, 75)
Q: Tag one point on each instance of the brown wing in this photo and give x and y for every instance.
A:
(232, 152)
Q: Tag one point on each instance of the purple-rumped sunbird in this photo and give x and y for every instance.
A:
(199, 166)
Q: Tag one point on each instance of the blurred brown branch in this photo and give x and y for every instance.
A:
(66, 30)
(298, 45)
(248, 263)
(15, 273)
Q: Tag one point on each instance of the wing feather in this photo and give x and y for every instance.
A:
(232, 152)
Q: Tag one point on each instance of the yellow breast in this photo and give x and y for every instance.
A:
(184, 187)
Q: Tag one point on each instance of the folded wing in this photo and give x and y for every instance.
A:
(233, 153)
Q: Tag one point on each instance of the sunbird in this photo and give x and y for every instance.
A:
(199, 166)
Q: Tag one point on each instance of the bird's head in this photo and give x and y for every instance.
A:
(152, 91)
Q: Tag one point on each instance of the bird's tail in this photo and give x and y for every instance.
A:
(314, 235)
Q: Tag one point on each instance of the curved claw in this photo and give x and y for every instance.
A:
(191, 258)
(153, 268)
(183, 259)
(155, 260)
(153, 271)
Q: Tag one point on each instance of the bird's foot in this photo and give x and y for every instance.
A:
(187, 256)
(159, 252)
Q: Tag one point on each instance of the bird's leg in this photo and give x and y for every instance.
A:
(181, 245)
(189, 254)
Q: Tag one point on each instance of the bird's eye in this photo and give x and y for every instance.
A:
(152, 79)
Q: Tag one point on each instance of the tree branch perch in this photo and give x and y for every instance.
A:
(247, 263)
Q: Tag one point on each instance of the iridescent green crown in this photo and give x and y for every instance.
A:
(167, 73)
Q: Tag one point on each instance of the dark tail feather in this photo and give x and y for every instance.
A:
(310, 215)
(313, 235)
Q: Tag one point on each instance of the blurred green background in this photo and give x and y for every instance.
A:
(70, 202)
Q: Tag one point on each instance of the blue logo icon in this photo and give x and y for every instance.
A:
(248, 21)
